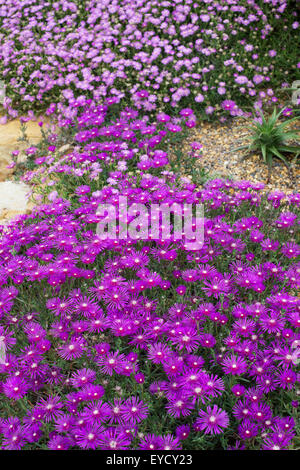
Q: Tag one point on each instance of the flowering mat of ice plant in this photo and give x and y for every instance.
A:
(216, 56)
(141, 343)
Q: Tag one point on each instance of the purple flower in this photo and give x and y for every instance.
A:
(90, 436)
(228, 105)
(114, 439)
(134, 410)
(234, 365)
(72, 350)
(212, 421)
(15, 387)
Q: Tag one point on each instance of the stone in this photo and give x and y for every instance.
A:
(64, 148)
(22, 157)
(13, 199)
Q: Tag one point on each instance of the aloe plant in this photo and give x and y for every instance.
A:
(271, 139)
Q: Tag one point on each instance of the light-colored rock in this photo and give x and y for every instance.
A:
(22, 157)
(13, 200)
(5, 160)
(64, 148)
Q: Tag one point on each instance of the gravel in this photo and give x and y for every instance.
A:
(221, 159)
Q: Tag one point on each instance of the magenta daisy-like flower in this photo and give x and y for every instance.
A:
(272, 443)
(14, 440)
(158, 353)
(116, 297)
(215, 288)
(260, 412)
(238, 390)
(212, 421)
(134, 410)
(269, 245)
(228, 105)
(272, 322)
(179, 405)
(186, 338)
(182, 432)
(64, 423)
(51, 407)
(286, 378)
(72, 350)
(96, 411)
(59, 443)
(247, 429)
(207, 340)
(83, 377)
(290, 250)
(234, 365)
(214, 386)
(15, 388)
(150, 442)
(244, 327)
(114, 439)
(89, 436)
(170, 442)
(92, 392)
(113, 362)
(116, 411)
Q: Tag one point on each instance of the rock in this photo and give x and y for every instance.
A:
(4, 171)
(22, 157)
(64, 148)
(13, 199)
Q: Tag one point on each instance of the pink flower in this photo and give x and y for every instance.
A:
(212, 421)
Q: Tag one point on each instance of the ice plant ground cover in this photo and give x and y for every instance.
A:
(218, 57)
(144, 344)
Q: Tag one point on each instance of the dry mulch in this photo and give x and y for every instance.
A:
(220, 158)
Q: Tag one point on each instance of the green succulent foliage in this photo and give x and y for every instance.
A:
(271, 139)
